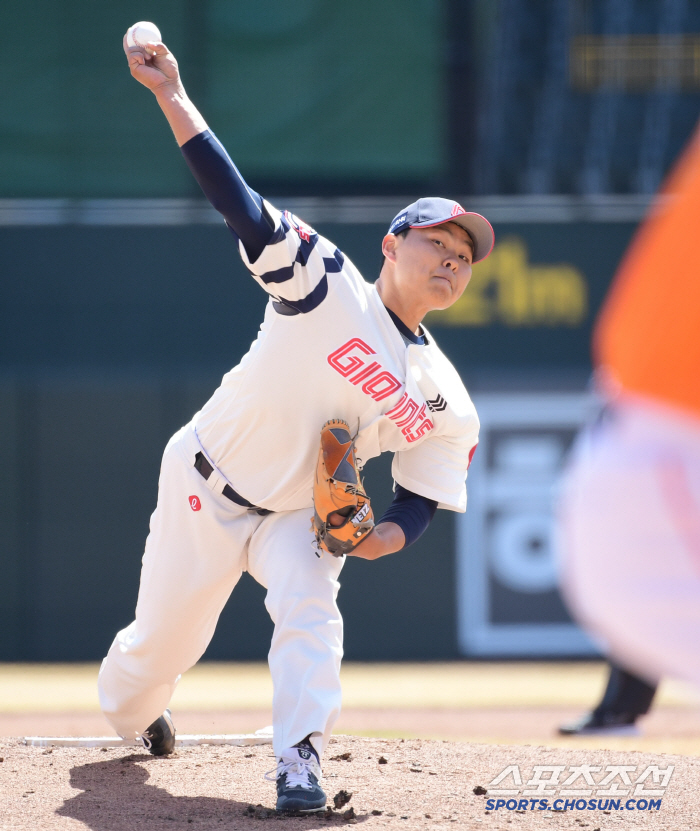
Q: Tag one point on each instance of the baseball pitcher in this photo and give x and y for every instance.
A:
(266, 477)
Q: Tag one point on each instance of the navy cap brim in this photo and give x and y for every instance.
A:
(476, 225)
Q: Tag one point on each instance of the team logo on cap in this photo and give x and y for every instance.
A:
(458, 210)
(397, 222)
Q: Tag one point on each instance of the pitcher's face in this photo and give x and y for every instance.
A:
(432, 266)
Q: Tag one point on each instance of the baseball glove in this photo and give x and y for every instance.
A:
(338, 489)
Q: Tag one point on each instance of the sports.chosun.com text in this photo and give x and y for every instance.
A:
(579, 787)
(574, 805)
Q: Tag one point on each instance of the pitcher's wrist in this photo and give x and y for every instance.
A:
(170, 91)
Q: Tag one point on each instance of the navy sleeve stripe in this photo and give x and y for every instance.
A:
(280, 232)
(278, 235)
(334, 264)
(307, 304)
(281, 275)
(305, 249)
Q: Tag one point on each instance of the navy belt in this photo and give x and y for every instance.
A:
(205, 470)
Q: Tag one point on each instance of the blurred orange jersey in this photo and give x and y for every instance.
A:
(648, 335)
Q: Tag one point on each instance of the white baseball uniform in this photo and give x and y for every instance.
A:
(327, 348)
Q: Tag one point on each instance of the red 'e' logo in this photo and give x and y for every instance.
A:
(195, 504)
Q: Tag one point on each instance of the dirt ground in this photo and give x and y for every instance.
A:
(421, 784)
(666, 729)
(462, 725)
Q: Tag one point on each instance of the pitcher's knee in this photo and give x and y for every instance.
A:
(314, 602)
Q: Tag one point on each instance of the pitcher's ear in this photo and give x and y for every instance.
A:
(389, 247)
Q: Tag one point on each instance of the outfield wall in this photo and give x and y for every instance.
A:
(113, 334)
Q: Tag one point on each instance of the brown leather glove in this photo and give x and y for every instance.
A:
(338, 490)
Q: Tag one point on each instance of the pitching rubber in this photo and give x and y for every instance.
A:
(239, 740)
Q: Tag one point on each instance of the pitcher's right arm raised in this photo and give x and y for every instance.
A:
(280, 251)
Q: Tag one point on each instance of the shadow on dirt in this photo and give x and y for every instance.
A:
(115, 796)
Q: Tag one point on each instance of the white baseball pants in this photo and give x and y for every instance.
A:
(630, 538)
(192, 561)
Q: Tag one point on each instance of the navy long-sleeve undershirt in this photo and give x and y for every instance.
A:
(411, 512)
(243, 210)
(226, 189)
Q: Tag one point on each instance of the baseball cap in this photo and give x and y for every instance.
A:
(434, 210)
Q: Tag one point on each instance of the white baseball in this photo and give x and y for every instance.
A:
(142, 33)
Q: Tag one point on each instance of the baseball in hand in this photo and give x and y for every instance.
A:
(142, 33)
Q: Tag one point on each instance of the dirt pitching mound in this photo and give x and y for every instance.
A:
(372, 782)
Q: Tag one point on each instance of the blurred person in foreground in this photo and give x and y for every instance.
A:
(629, 518)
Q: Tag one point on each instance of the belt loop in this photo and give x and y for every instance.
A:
(215, 481)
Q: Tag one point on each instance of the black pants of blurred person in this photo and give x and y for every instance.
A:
(626, 697)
